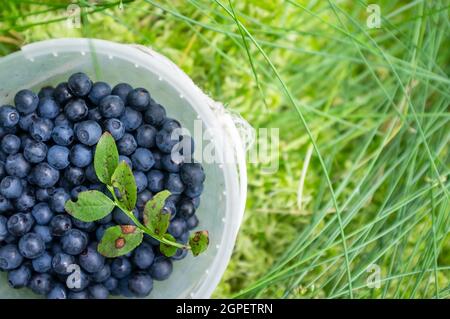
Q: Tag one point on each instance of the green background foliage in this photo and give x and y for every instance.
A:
(375, 104)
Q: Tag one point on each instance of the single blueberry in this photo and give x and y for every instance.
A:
(60, 224)
(91, 260)
(131, 119)
(80, 84)
(58, 200)
(26, 120)
(141, 180)
(19, 277)
(41, 129)
(143, 256)
(62, 93)
(41, 284)
(9, 117)
(170, 124)
(174, 184)
(161, 268)
(57, 292)
(35, 152)
(46, 91)
(48, 108)
(122, 90)
(44, 232)
(192, 222)
(140, 284)
(80, 155)
(111, 106)
(61, 263)
(155, 115)
(171, 162)
(102, 275)
(155, 180)
(58, 156)
(43, 263)
(20, 223)
(98, 291)
(138, 99)
(31, 245)
(26, 101)
(123, 289)
(192, 174)
(99, 91)
(76, 110)
(63, 135)
(16, 165)
(115, 127)
(88, 132)
(185, 208)
(177, 227)
(74, 242)
(166, 141)
(10, 257)
(75, 175)
(121, 267)
(127, 144)
(142, 159)
(10, 144)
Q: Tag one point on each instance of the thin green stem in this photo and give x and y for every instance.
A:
(141, 226)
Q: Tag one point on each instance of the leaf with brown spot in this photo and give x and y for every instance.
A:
(168, 250)
(106, 158)
(90, 206)
(117, 242)
(123, 181)
(199, 242)
(155, 218)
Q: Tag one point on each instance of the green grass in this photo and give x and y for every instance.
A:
(364, 130)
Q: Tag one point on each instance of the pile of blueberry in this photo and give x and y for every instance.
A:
(46, 158)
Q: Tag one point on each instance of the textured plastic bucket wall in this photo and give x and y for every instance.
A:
(223, 201)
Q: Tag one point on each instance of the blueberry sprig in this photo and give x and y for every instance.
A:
(120, 240)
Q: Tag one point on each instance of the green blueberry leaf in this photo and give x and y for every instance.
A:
(155, 218)
(124, 186)
(168, 250)
(90, 206)
(199, 241)
(120, 240)
(106, 158)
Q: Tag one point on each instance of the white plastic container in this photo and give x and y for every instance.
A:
(223, 201)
